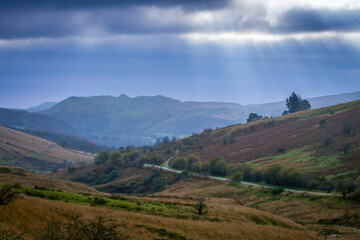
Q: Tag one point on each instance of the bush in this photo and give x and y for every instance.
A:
(102, 157)
(218, 166)
(281, 150)
(116, 157)
(254, 117)
(270, 174)
(327, 186)
(328, 141)
(8, 194)
(71, 169)
(322, 123)
(345, 148)
(345, 187)
(191, 163)
(178, 163)
(237, 177)
(277, 190)
(99, 201)
(347, 129)
(200, 206)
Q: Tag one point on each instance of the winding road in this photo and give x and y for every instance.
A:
(168, 168)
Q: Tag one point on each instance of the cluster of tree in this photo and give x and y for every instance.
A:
(294, 103)
(343, 186)
(217, 166)
(68, 141)
(136, 158)
(165, 141)
(255, 117)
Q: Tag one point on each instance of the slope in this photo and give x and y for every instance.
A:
(34, 153)
(322, 142)
(34, 121)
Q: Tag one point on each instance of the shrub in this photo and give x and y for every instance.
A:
(200, 206)
(345, 148)
(327, 186)
(178, 163)
(247, 169)
(8, 194)
(322, 123)
(344, 187)
(191, 163)
(237, 176)
(347, 129)
(254, 117)
(71, 169)
(99, 201)
(281, 150)
(218, 166)
(101, 158)
(270, 174)
(277, 190)
(230, 169)
(116, 157)
(328, 141)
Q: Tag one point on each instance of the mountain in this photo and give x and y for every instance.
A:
(34, 153)
(123, 120)
(34, 121)
(42, 107)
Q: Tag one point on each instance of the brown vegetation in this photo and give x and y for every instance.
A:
(21, 149)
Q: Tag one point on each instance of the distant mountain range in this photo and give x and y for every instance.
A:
(123, 120)
(41, 107)
(120, 121)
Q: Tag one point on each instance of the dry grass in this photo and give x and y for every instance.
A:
(19, 175)
(15, 144)
(31, 213)
(301, 208)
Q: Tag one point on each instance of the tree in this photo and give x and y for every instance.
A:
(218, 166)
(178, 163)
(345, 187)
(294, 104)
(191, 162)
(237, 177)
(200, 206)
(102, 157)
(115, 157)
(254, 117)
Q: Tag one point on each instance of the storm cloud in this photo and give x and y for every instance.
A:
(54, 19)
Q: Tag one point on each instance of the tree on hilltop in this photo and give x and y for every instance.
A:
(295, 104)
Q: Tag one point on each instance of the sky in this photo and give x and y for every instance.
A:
(242, 51)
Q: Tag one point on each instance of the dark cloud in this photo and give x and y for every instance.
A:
(84, 4)
(21, 19)
(317, 20)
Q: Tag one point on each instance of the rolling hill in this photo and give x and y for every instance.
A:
(34, 153)
(122, 120)
(41, 107)
(324, 143)
(33, 121)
